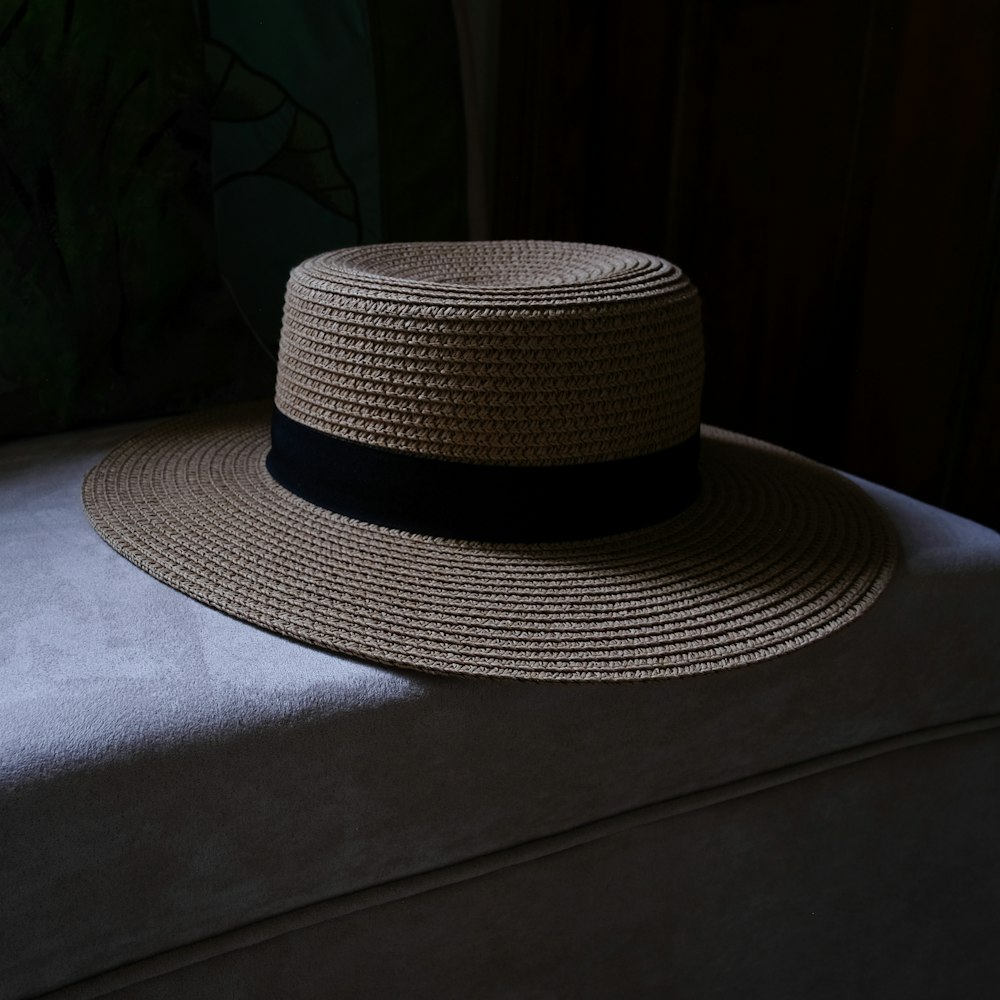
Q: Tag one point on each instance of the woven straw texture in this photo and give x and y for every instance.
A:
(775, 553)
(515, 353)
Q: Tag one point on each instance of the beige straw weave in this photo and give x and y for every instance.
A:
(457, 355)
(521, 354)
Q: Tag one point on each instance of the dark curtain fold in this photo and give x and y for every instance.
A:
(827, 173)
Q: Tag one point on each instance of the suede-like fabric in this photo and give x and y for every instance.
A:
(168, 774)
(877, 881)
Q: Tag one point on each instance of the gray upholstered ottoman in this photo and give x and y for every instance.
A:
(193, 808)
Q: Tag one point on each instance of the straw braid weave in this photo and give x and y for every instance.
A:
(516, 352)
(774, 554)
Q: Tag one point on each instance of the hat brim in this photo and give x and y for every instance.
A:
(775, 553)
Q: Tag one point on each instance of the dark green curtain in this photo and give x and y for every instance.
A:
(163, 165)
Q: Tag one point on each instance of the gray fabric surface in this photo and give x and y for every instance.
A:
(870, 882)
(168, 774)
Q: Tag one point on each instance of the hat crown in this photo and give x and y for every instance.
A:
(507, 352)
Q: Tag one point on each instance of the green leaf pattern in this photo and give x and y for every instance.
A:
(306, 158)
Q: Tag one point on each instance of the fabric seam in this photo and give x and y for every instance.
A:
(249, 935)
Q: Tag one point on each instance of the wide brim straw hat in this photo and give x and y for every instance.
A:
(486, 459)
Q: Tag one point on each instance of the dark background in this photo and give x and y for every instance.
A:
(826, 171)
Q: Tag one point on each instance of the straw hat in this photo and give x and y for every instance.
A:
(485, 458)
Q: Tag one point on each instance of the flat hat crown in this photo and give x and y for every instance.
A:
(499, 353)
